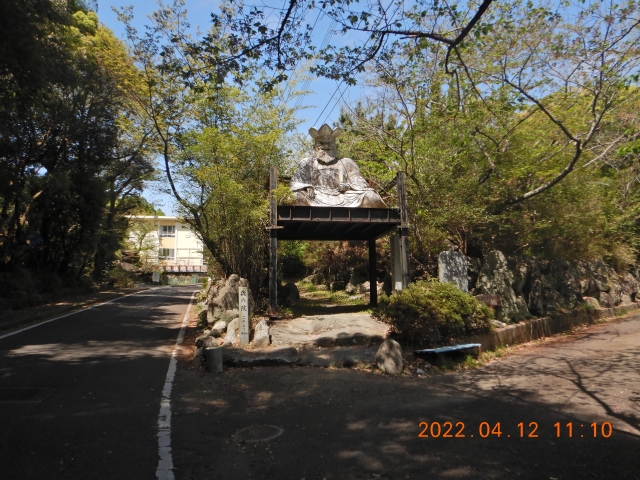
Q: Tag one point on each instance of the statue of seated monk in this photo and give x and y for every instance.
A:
(325, 180)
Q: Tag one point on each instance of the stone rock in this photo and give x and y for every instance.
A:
(313, 279)
(232, 332)
(226, 299)
(364, 287)
(453, 268)
(389, 357)
(521, 270)
(496, 278)
(218, 328)
(210, 342)
(419, 371)
(606, 300)
(591, 302)
(354, 297)
(615, 294)
(523, 311)
(198, 357)
(239, 357)
(474, 265)
(261, 335)
(498, 324)
(350, 288)
(567, 283)
(128, 267)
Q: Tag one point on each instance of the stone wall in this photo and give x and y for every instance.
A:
(532, 287)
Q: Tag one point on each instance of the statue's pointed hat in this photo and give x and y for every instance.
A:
(325, 132)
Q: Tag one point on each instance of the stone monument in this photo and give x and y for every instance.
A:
(452, 268)
(326, 180)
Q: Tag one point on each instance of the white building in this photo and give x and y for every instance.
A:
(167, 242)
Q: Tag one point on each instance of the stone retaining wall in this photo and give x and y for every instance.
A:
(546, 326)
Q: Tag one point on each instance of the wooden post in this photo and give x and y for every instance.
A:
(373, 277)
(273, 242)
(403, 231)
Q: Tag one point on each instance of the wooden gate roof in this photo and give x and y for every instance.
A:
(335, 223)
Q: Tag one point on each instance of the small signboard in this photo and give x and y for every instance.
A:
(243, 303)
(155, 276)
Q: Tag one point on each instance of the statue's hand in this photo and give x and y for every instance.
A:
(343, 187)
(310, 193)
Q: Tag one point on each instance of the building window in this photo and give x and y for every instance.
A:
(168, 231)
(167, 253)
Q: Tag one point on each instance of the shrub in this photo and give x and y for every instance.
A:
(428, 312)
(120, 278)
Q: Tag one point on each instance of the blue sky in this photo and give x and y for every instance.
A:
(320, 108)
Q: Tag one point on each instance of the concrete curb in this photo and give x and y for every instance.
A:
(546, 326)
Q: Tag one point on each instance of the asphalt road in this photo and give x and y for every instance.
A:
(345, 424)
(107, 366)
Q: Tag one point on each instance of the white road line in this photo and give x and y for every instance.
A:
(73, 313)
(165, 461)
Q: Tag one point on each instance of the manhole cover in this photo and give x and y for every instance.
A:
(24, 394)
(258, 433)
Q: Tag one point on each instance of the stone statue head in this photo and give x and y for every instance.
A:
(325, 141)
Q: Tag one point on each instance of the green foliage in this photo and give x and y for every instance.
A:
(217, 140)
(425, 311)
(504, 155)
(71, 148)
(291, 258)
(120, 278)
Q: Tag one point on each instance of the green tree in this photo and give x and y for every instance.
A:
(216, 140)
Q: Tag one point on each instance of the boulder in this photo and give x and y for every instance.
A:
(521, 271)
(498, 324)
(232, 332)
(592, 302)
(496, 278)
(364, 287)
(218, 328)
(350, 288)
(313, 279)
(261, 335)
(474, 265)
(226, 299)
(453, 268)
(389, 357)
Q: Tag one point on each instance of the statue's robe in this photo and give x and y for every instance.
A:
(325, 178)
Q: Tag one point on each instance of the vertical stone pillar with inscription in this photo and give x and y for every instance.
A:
(243, 305)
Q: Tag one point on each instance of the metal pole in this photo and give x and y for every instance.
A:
(373, 277)
(403, 231)
(273, 242)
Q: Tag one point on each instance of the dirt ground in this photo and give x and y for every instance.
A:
(342, 423)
